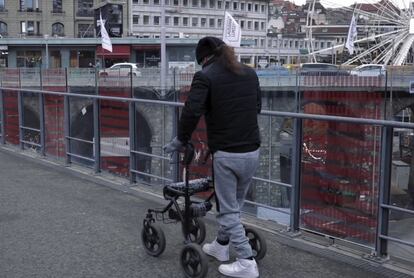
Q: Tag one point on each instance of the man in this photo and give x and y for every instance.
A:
(227, 93)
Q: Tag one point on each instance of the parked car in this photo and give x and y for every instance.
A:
(321, 69)
(369, 70)
(121, 69)
(273, 71)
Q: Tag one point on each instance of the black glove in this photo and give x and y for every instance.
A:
(174, 146)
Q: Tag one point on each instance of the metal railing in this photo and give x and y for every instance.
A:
(162, 171)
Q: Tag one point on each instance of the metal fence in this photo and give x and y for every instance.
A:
(330, 162)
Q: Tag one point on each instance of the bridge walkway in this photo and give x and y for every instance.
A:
(58, 222)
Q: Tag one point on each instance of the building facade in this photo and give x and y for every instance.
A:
(64, 33)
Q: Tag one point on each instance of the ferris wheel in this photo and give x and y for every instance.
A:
(385, 31)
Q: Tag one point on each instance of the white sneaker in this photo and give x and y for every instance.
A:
(216, 250)
(242, 268)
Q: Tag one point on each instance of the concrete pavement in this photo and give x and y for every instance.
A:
(55, 223)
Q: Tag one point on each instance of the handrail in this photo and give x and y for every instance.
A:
(263, 112)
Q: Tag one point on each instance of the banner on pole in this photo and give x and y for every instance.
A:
(106, 41)
(352, 35)
(231, 31)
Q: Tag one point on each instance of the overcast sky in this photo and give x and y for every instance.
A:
(333, 3)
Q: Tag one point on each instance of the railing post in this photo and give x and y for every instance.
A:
(295, 175)
(20, 108)
(96, 128)
(384, 190)
(175, 157)
(2, 115)
(42, 118)
(66, 121)
(132, 136)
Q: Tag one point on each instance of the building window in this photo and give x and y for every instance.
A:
(56, 59)
(235, 6)
(145, 1)
(176, 21)
(212, 22)
(212, 4)
(262, 42)
(249, 7)
(227, 5)
(135, 19)
(219, 5)
(185, 3)
(85, 31)
(29, 5)
(30, 28)
(58, 30)
(262, 25)
(176, 3)
(256, 7)
(85, 8)
(167, 20)
(219, 22)
(28, 59)
(203, 3)
(167, 2)
(3, 28)
(57, 6)
(156, 2)
(242, 6)
(242, 24)
(203, 22)
(146, 19)
(156, 20)
(185, 21)
(263, 8)
(2, 6)
(249, 25)
(195, 3)
(256, 25)
(194, 21)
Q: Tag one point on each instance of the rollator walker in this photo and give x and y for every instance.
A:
(192, 259)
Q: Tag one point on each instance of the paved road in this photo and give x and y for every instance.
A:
(57, 224)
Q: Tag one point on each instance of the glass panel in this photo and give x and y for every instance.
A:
(114, 126)
(11, 117)
(340, 167)
(31, 120)
(54, 125)
(152, 133)
(81, 125)
(401, 226)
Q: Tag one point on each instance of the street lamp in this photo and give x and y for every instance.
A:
(279, 37)
(163, 49)
(47, 50)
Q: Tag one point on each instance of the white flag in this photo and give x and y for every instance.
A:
(352, 35)
(106, 41)
(232, 31)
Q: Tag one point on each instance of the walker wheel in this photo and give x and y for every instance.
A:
(257, 242)
(153, 239)
(197, 232)
(193, 261)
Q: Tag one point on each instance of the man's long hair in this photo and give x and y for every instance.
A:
(227, 58)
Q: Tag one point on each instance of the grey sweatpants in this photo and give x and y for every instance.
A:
(233, 174)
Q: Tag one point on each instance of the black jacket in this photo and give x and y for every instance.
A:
(230, 103)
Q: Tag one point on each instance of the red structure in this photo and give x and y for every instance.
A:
(340, 165)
